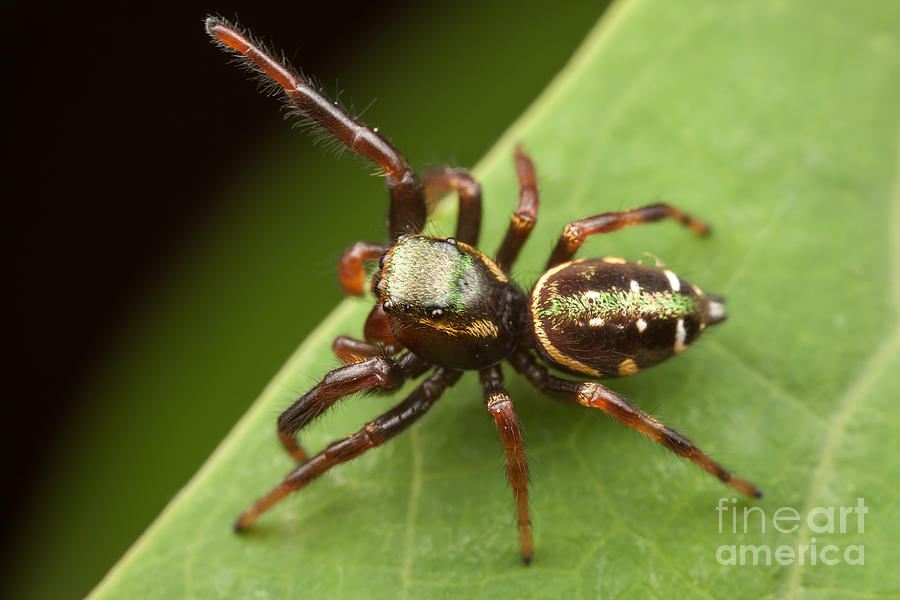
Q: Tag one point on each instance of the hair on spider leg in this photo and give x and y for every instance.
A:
(321, 139)
(270, 87)
(302, 121)
(212, 22)
(237, 58)
(359, 115)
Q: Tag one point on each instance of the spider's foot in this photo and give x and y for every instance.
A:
(745, 487)
(247, 518)
(526, 543)
(240, 526)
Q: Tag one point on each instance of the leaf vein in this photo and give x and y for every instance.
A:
(848, 403)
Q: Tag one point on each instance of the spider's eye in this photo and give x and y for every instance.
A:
(436, 312)
(387, 306)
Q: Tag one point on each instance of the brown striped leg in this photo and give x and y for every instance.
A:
(407, 213)
(372, 435)
(352, 269)
(501, 408)
(525, 217)
(377, 372)
(441, 181)
(594, 395)
(577, 231)
(350, 350)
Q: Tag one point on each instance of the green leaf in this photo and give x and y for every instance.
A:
(778, 123)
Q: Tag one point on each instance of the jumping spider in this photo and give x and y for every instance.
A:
(443, 305)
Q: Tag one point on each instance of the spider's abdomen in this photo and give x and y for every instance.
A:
(609, 318)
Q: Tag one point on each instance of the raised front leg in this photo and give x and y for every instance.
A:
(525, 217)
(372, 435)
(501, 408)
(468, 223)
(378, 372)
(594, 395)
(407, 212)
(577, 231)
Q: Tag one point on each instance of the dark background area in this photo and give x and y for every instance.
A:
(127, 133)
(112, 159)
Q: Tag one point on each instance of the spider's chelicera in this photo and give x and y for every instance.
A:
(444, 306)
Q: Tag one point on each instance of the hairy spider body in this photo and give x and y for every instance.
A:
(444, 306)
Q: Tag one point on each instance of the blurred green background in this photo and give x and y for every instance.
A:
(212, 315)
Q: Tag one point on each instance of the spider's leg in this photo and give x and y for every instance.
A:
(594, 395)
(577, 231)
(525, 217)
(350, 350)
(501, 408)
(374, 434)
(352, 270)
(379, 372)
(407, 212)
(439, 181)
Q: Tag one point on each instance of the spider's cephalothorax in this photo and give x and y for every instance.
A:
(443, 306)
(449, 303)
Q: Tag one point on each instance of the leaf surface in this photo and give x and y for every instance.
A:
(778, 123)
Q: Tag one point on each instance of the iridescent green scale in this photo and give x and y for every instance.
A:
(448, 302)
(423, 272)
(594, 306)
